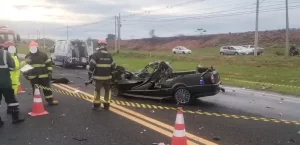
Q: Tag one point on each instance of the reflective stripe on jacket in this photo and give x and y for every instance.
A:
(15, 74)
(101, 64)
(6, 65)
(42, 65)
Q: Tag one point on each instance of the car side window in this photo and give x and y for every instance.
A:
(231, 48)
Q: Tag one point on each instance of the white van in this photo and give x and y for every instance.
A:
(70, 53)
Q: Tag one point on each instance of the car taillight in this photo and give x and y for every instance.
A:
(212, 78)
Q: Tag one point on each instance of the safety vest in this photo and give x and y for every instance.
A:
(101, 65)
(15, 74)
(41, 64)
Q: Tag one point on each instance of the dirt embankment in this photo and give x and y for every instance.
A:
(274, 38)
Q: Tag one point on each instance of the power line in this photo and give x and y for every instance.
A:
(170, 6)
(196, 15)
(222, 15)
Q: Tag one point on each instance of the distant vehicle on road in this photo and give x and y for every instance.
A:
(181, 50)
(234, 50)
(70, 53)
(251, 47)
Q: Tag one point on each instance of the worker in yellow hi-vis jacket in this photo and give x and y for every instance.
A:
(14, 74)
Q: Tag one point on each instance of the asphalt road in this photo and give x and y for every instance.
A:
(73, 119)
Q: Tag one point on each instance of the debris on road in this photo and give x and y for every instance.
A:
(216, 138)
(62, 115)
(161, 143)
(281, 99)
(268, 106)
(266, 87)
(280, 114)
(80, 139)
(298, 132)
(292, 140)
(280, 102)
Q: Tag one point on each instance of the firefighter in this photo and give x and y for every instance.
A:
(101, 65)
(6, 65)
(42, 71)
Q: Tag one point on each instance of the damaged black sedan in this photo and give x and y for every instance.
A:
(158, 81)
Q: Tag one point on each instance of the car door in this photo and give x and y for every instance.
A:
(231, 50)
(225, 50)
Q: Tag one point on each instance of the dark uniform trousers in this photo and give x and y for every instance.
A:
(45, 83)
(9, 97)
(107, 94)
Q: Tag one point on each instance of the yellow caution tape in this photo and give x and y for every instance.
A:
(149, 106)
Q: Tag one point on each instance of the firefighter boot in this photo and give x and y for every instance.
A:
(1, 123)
(17, 117)
(106, 106)
(52, 102)
(96, 107)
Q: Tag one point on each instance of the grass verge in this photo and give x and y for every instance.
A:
(265, 69)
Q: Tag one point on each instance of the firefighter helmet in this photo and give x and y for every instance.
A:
(101, 41)
(8, 44)
(33, 43)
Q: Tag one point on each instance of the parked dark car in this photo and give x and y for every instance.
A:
(163, 83)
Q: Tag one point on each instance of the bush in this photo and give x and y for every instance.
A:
(279, 53)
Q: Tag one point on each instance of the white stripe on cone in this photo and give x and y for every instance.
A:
(37, 92)
(37, 100)
(179, 133)
(179, 119)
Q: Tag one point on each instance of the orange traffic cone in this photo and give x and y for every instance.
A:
(179, 136)
(20, 90)
(37, 106)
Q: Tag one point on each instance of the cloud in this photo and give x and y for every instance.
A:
(180, 18)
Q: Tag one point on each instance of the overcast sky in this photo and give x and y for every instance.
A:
(138, 17)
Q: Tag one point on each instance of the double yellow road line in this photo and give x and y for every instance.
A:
(151, 123)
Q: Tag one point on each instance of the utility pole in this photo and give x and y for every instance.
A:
(119, 33)
(37, 34)
(256, 29)
(67, 33)
(44, 38)
(115, 39)
(287, 29)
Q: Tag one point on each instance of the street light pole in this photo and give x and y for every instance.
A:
(287, 30)
(256, 29)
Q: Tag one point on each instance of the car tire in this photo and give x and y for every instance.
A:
(174, 52)
(236, 53)
(115, 92)
(84, 66)
(183, 52)
(221, 53)
(182, 96)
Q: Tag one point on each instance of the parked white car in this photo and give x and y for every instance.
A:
(234, 50)
(181, 50)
